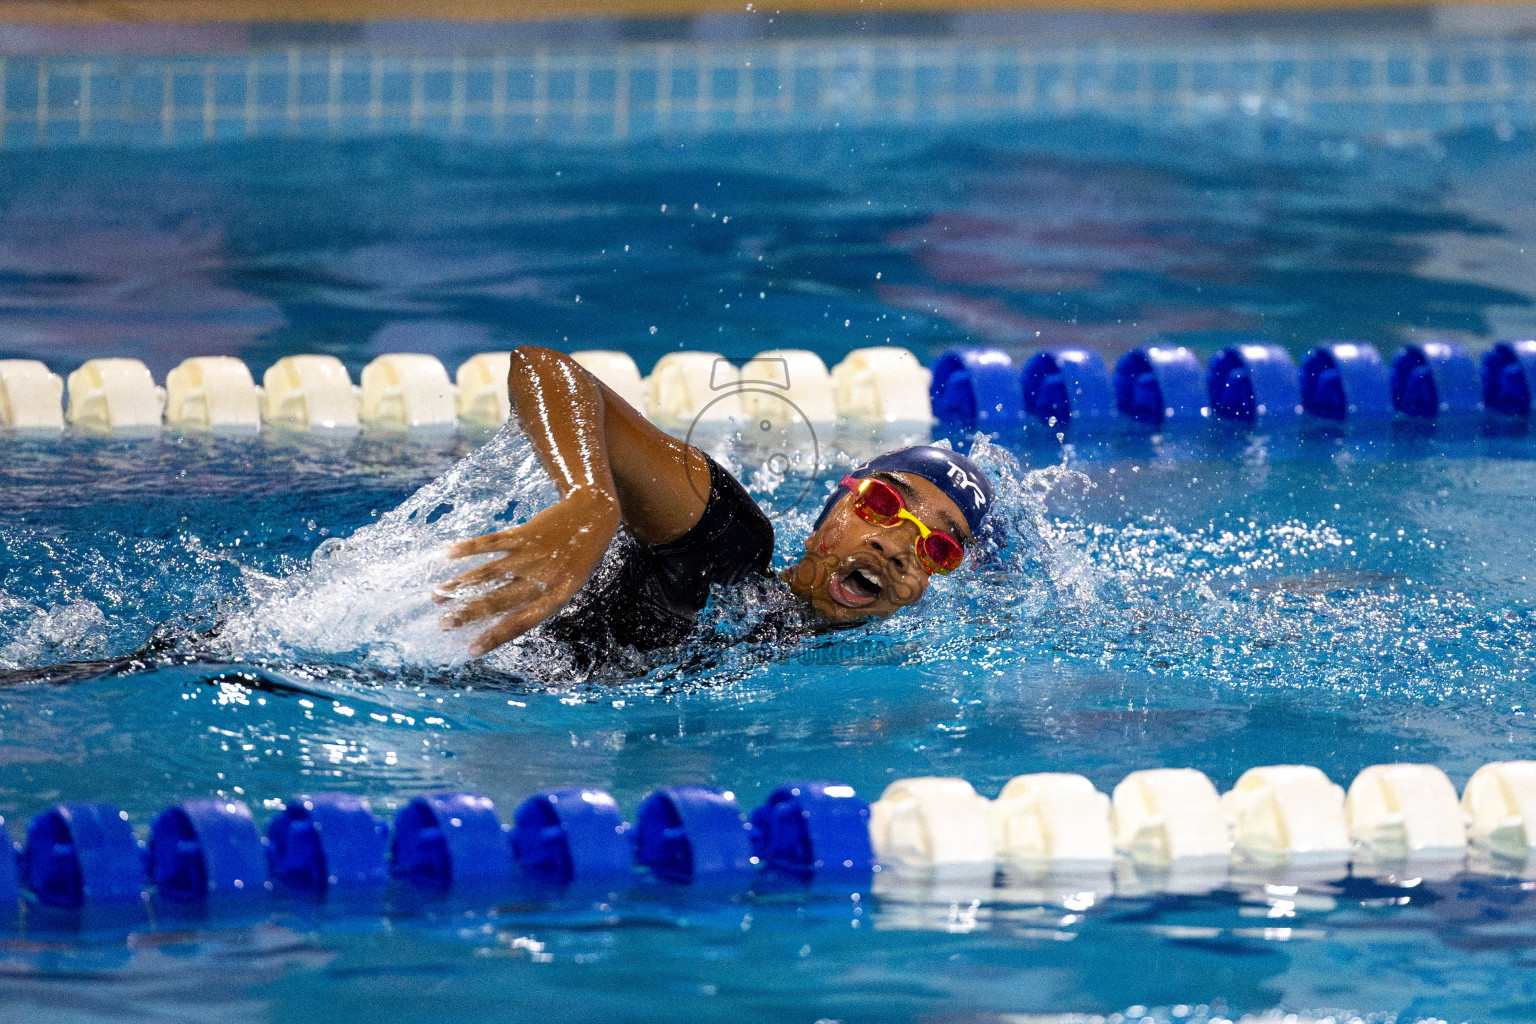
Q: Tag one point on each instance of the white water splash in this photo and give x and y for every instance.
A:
(1026, 563)
(368, 597)
(63, 632)
(1024, 560)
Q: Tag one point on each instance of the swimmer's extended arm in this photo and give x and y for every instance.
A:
(610, 465)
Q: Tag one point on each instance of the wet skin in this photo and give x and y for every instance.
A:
(853, 569)
(612, 468)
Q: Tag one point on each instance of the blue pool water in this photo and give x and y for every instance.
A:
(1216, 612)
(1216, 600)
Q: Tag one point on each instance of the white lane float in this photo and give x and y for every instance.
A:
(1403, 811)
(938, 826)
(305, 392)
(404, 390)
(212, 391)
(786, 385)
(882, 385)
(1288, 814)
(114, 394)
(1500, 804)
(31, 396)
(483, 398)
(617, 370)
(1165, 816)
(693, 387)
(1055, 820)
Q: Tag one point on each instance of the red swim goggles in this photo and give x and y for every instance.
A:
(876, 501)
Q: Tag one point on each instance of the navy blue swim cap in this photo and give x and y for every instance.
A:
(954, 474)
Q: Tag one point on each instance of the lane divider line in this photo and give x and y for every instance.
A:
(1155, 387)
(1169, 822)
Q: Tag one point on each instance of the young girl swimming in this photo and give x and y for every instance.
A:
(680, 525)
(684, 525)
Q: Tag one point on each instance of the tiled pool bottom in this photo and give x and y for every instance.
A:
(1396, 75)
(1342, 600)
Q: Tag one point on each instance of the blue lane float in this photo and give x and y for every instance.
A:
(566, 836)
(1067, 386)
(84, 856)
(1346, 380)
(1509, 377)
(327, 841)
(1436, 379)
(445, 840)
(976, 388)
(811, 828)
(1161, 386)
(10, 881)
(687, 834)
(206, 848)
(80, 855)
(1252, 382)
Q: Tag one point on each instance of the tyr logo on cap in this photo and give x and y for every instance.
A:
(966, 482)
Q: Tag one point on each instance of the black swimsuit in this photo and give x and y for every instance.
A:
(652, 598)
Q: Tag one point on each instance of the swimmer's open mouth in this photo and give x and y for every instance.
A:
(855, 587)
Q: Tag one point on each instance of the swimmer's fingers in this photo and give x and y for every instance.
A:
(502, 540)
(514, 626)
(518, 565)
(503, 599)
(473, 578)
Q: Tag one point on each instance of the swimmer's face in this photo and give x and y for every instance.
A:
(853, 569)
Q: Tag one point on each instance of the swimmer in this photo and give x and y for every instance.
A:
(684, 525)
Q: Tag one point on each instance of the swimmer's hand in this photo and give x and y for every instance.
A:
(543, 563)
(575, 424)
